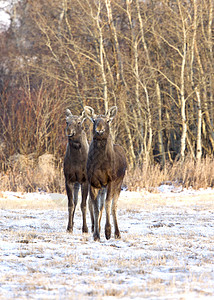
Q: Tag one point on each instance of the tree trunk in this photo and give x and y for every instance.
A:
(102, 63)
(160, 135)
(199, 145)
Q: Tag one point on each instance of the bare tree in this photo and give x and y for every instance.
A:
(153, 59)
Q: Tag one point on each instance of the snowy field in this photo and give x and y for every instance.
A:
(166, 250)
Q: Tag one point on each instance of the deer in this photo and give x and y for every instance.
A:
(75, 167)
(106, 167)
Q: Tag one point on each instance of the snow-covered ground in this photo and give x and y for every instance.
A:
(166, 250)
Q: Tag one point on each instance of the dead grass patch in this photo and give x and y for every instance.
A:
(26, 173)
(185, 174)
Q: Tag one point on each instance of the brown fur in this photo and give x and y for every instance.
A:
(106, 166)
(75, 167)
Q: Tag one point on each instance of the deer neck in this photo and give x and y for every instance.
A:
(103, 146)
(75, 143)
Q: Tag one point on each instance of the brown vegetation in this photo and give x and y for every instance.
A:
(152, 59)
(186, 174)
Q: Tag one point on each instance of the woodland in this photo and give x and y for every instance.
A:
(152, 59)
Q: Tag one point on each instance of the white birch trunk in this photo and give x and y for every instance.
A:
(160, 135)
(199, 146)
(102, 63)
(183, 101)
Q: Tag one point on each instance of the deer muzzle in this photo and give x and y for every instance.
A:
(70, 133)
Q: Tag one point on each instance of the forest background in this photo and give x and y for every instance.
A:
(153, 59)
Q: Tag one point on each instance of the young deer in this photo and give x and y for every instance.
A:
(75, 167)
(106, 166)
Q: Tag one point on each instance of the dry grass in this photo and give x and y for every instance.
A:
(30, 174)
(25, 173)
(188, 173)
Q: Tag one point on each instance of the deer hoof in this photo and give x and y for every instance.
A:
(85, 229)
(108, 232)
(69, 229)
(117, 235)
(96, 237)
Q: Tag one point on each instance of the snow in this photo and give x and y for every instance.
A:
(4, 20)
(5, 13)
(165, 252)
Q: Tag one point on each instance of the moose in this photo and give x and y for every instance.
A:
(75, 167)
(106, 166)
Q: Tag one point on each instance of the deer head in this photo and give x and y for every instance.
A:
(101, 123)
(74, 124)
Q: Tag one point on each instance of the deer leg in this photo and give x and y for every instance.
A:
(102, 194)
(90, 206)
(114, 214)
(96, 221)
(95, 204)
(84, 189)
(69, 191)
(76, 191)
(108, 209)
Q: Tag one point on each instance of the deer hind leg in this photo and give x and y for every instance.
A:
(84, 189)
(69, 191)
(95, 203)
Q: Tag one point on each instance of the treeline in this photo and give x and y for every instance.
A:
(153, 59)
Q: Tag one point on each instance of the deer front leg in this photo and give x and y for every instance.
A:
(108, 210)
(95, 203)
(114, 214)
(69, 191)
(76, 187)
(102, 194)
(90, 206)
(84, 189)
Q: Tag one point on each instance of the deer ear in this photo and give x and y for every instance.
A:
(83, 117)
(89, 112)
(68, 113)
(111, 113)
